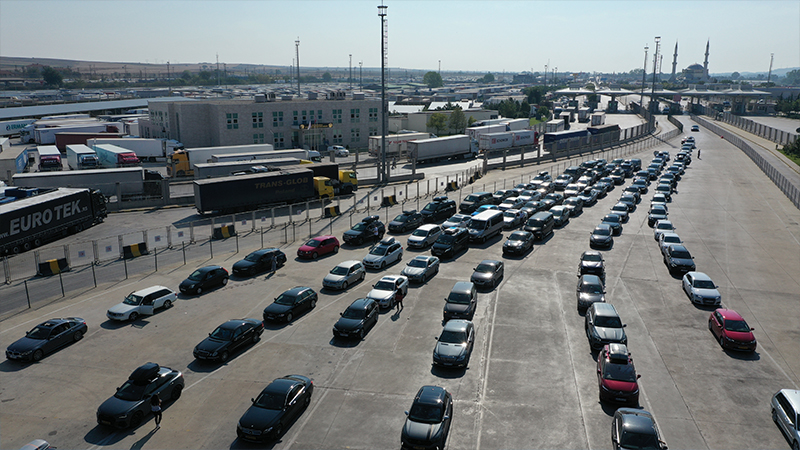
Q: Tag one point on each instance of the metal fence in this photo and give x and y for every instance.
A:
(784, 184)
(759, 129)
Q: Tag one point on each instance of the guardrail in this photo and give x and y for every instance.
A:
(759, 129)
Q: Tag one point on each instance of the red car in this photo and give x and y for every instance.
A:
(616, 375)
(731, 330)
(318, 246)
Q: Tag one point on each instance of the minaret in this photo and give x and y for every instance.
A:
(705, 63)
(674, 63)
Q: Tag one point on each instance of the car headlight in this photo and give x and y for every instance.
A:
(462, 357)
(436, 354)
(595, 334)
(26, 353)
(123, 416)
(214, 354)
(604, 388)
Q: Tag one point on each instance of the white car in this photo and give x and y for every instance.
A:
(424, 236)
(668, 239)
(387, 251)
(421, 268)
(384, 291)
(700, 289)
(458, 220)
(511, 203)
(662, 226)
(338, 150)
(142, 303)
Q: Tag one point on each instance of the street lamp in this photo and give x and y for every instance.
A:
(360, 79)
(644, 75)
(382, 14)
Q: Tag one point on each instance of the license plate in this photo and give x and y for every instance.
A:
(447, 364)
(247, 436)
(343, 334)
(619, 399)
(105, 422)
(744, 347)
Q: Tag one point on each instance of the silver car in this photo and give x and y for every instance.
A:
(785, 406)
(700, 289)
(662, 226)
(421, 268)
(142, 303)
(344, 274)
(454, 345)
(387, 251)
(458, 220)
(424, 236)
(385, 290)
(668, 239)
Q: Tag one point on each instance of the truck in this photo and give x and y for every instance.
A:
(443, 148)
(245, 192)
(28, 133)
(343, 182)
(14, 127)
(145, 149)
(181, 163)
(567, 134)
(31, 217)
(111, 156)
(610, 132)
(131, 181)
(584, 114)
(396, 144)
(517, 124)
(233, 157)
(43, 136)
(224, 169)
(554, 125)
(476, 132)
(49, 158)
(495, 141)
(598, 118)
(65, 139)
(566, 116)
(81, 157)
(525, 137)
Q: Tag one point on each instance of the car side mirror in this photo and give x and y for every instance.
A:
(445, 299)
(638, 376)
(624, 325)
(252, 400)
(406, 412)
(209, 334)
(436, 337)
(341, 314)
(752, 329)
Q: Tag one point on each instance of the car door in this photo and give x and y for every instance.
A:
(147, 306)
(372, 314)
(500, 270)
(687, 284)
(239, 335)
(56, 338)
(717, 322)
(294, 403)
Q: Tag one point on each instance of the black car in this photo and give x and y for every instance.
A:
(518, 243)
(552, 199)
(488, 273)
(129, 406)
(407, 220)
(618, 176)
(499, 196)
(629, 201)
(203, 279)
(365, 231)
(635, 429)
(532, 207)
(229, 337)
(473, 201)
(439, 209)
(47, 337)
(592, 263)
(657, 212)
(615, 222)
(428, 422)
(601, 237)
(277, 406)
(291, 304)
(259, 261)
(449, 243)
(357, 319)
(678, 259)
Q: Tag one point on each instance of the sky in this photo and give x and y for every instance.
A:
(484, 36)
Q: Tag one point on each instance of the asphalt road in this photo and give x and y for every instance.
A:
(531, 381)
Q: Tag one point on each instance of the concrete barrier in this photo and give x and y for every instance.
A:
(389, 201)
(331, 211)
(224, 232)
(134, 250)
(53, 267)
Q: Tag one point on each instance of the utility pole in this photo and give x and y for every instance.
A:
(360, 78)
(655, 70)
(383, 175)
(644, 75)
(297, 51)
(769, 75)
(351, 72)
(218, 82)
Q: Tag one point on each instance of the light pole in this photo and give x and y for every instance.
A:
(382, 14)
(360, 79)
(655, 69)
(297, 51)
(644, 74)
(351, 72)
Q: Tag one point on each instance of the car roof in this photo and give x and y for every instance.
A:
(208, 268)
(663, 221)
(670, 234)
(52, 323)
(391, 278)
(678, 247)
(150, 290)
(793, 396)
(637, 421)
(432, 395)
(592, 253)
(361, 303)
(590, 279)
(463, 287)
(618, 353)
(428, 227)
(455, 231)
(321, 238)
(490, 262)
(729, 314)
(234, 323)
(604, 309)
(296, 290)
(699, 276)
(602, 226)
(387, 241)
(424, 257)
(281, 385)
(348, 264)
(457, 325)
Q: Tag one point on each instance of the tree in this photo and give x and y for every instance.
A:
(471, 120)
(186, 75)
(735, 76)
(488, 78)
(52, 77)
(792, 78)
(326, 77)
(535, 94)
(432, 80)
(457, 121)
(438, 121)
(542, 113)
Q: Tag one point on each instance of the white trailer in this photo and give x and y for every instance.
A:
(583, 114)
(80, 157)
(28, 133)
(437, 149)
(517, 124)
(524, 137)
(111, 156)
(396, 144)
(145, 149)
(554, 125)
(130, 179)
(224, 169)
(598, 118)
(49, 158)
(249, 156)
(46, 136)
(12, 127)
(496, 141)
(476, 132)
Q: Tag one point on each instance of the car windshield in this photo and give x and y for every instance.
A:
(487, 268)
(453, 337)
(131, 391)
(682, 254)
(401, 218)
(611, 218)
(602, 231)
(552, 196)
(608, 322)
(417, 263)
(532, 205)
(619, 208)
(737, 325)
(446, 239)
(254, 257)
(384, 285)
(704, 284)
(196, 275)
(271, 400)
(477, 224)
(510, 214)
(353, 313)
(592, 257)
(419, 232)
(591, 289)
(340, 270)
(658, 210)
(379, 250)
(133, 299)
(535, 223)
(664, 226)
(672, 239)
(471, 198)
(458, 297)
(500, 193)
(311, 243)
(423, 413)
(39, 333)
(639, 441)
(517, 236)
(431, 207)
(619, 372)
(223, 334)
(286, 299)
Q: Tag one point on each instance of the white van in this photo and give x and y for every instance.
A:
(485, 225)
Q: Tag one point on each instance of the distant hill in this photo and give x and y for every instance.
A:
(775, 72)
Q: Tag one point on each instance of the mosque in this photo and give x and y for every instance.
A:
(693, 73)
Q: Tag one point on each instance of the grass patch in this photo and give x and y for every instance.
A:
(534, 121)
(795, 158)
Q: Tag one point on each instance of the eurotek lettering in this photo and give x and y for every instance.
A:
(39, 218)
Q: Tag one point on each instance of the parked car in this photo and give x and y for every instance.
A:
(574, 206)
(621, 209)
(700, 289)
(259, 261)
(532, 207)
(428, 421)
(560, 215)
(46, 338)
(131, 403)
(385, 290)
(540, 224)
(472, 201)
(668, 239)
(662, 226)
(461, 302)
(665, 190)
(615, 222)
(657, 212)
(589, 196)
(439, 209)
(142, 303)
(591, 289)
(227, 338)
(424, 236)
(488, 273)
(407, 220)
(678, 259)
(592, 262)
(277, 406)
(552, 199)
(318, 246)
(345, 274)
(483, 208)
(449, 243)
(513, 218)
(204, 279)
(695, 127)
(454, 346)
(635, 429)
(616, 375)
(499, 196)
(601, 237)
(388, 251)
(457, 220)
(518, 243)
(365, 231)
(604, 326)
(511, 203)
(731, 330)
(290, 304)
(357, 319)
(785, 406)
(421, 268)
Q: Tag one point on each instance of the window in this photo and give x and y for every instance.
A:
(355, 135)
(295, 120)
(319, 115)
(373, 131)
(373, 114)
(278, 141)
(337, 116)
(258, 138)
(277, 118)
(355, 115)
(258, 120)
(233, 121)
(337, 136)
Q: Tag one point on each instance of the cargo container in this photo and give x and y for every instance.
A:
(566, 117)
(36, 216)
(43, 136)
(517, 124)
(598, 118)
(80, 157)
(561, 135)
(496, 141)
(181, 163)
(554, 125)
(145, 149)
(64, 139)
(476, 132)
(224, 169)
(584, 114)
(245, 192)
(525, 137)
(111, 156)
(396, 144)
(231, 157)
(443, 148)
(28, 133)
(342, 182)
(130, 179)
(14, 127)
(611, 130)
(49, 158)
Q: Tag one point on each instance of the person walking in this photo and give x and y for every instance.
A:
(698, 153)
(273, 265)
(398, 299)
(155, 407)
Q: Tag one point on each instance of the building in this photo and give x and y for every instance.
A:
(285, 122)
(419, 121)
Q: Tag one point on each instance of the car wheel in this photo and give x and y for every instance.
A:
(37, 355)
(167, 304)
(199, 291)
(361, 334)
(335, 249)
(344, 285)
(774, 415)
(288, 317)
(383, 265)
(133, 317)
(363, 275)
(224, 356)
(256, 338)
(136, 420)
(176, 392)
(709, 326)
(278, 431)
(306, 401)
(77, 336)
(721, 341)
(313, 304)
(225, 281)
(314, 255)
